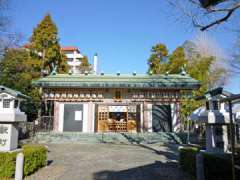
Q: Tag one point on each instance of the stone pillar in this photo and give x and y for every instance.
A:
(19, 166)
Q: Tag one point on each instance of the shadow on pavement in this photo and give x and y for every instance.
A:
(158, 170)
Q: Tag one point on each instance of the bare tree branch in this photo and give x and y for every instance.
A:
(205, 18)
(221, 20)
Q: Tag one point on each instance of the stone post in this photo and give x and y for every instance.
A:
(200, 166)
(19, 166)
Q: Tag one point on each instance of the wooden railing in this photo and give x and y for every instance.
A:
(117, 126)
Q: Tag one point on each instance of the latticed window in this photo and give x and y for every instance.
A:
(6, 103)
(103, 116)
(103, 113)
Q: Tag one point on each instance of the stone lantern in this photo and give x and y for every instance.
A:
(216, 119)
(10, 116)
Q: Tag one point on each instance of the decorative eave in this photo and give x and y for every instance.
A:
(171, 81)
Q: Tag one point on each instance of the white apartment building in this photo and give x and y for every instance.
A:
(73, 57)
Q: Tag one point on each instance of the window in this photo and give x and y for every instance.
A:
(103, 116)
(118, 95)
(215, 105)
(6, 103)
(207, 105)
(15, 104)
(70, 59)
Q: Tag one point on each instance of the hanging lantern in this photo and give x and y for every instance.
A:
(57, 95)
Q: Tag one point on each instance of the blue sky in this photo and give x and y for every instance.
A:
(121, 32)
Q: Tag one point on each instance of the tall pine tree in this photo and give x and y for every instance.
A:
(157, 59)
(44, 43)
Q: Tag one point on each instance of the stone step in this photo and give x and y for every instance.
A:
(126, 138)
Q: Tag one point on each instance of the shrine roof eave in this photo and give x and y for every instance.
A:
(124, 81)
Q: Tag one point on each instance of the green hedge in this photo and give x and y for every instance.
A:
(187, 159)
(217, 167)
(35, 156)
(7, 164)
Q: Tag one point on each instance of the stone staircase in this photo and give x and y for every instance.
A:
(118, 138)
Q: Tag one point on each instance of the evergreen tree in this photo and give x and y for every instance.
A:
(84, 66)
(17, 70)
(157, 59)
(176, 61)
(198, 66)
(45, 44)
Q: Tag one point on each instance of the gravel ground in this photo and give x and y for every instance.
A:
(110, 162)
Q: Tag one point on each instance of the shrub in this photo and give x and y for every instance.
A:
(217, 167)
(7, 164)
(35, 157)
(187, 159)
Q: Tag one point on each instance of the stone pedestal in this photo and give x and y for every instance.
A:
(8, 137)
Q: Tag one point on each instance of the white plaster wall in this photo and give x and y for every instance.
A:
(175, 117)
(93, 117)
(61, 117)
(141, 117)
(85, 117)
(149, 117)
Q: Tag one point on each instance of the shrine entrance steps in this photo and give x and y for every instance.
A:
(118, 138)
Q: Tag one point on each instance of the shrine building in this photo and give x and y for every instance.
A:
(116, 102)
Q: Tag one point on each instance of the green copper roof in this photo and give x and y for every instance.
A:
(4, 89)
(175, 81)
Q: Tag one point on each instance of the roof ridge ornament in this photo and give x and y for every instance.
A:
(70, 72)
(54, 71)
(150, 72)
(118, 73)
(183, 71)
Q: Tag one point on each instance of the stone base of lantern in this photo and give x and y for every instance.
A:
(8, 137)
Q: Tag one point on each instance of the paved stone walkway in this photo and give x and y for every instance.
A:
(110, 162)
